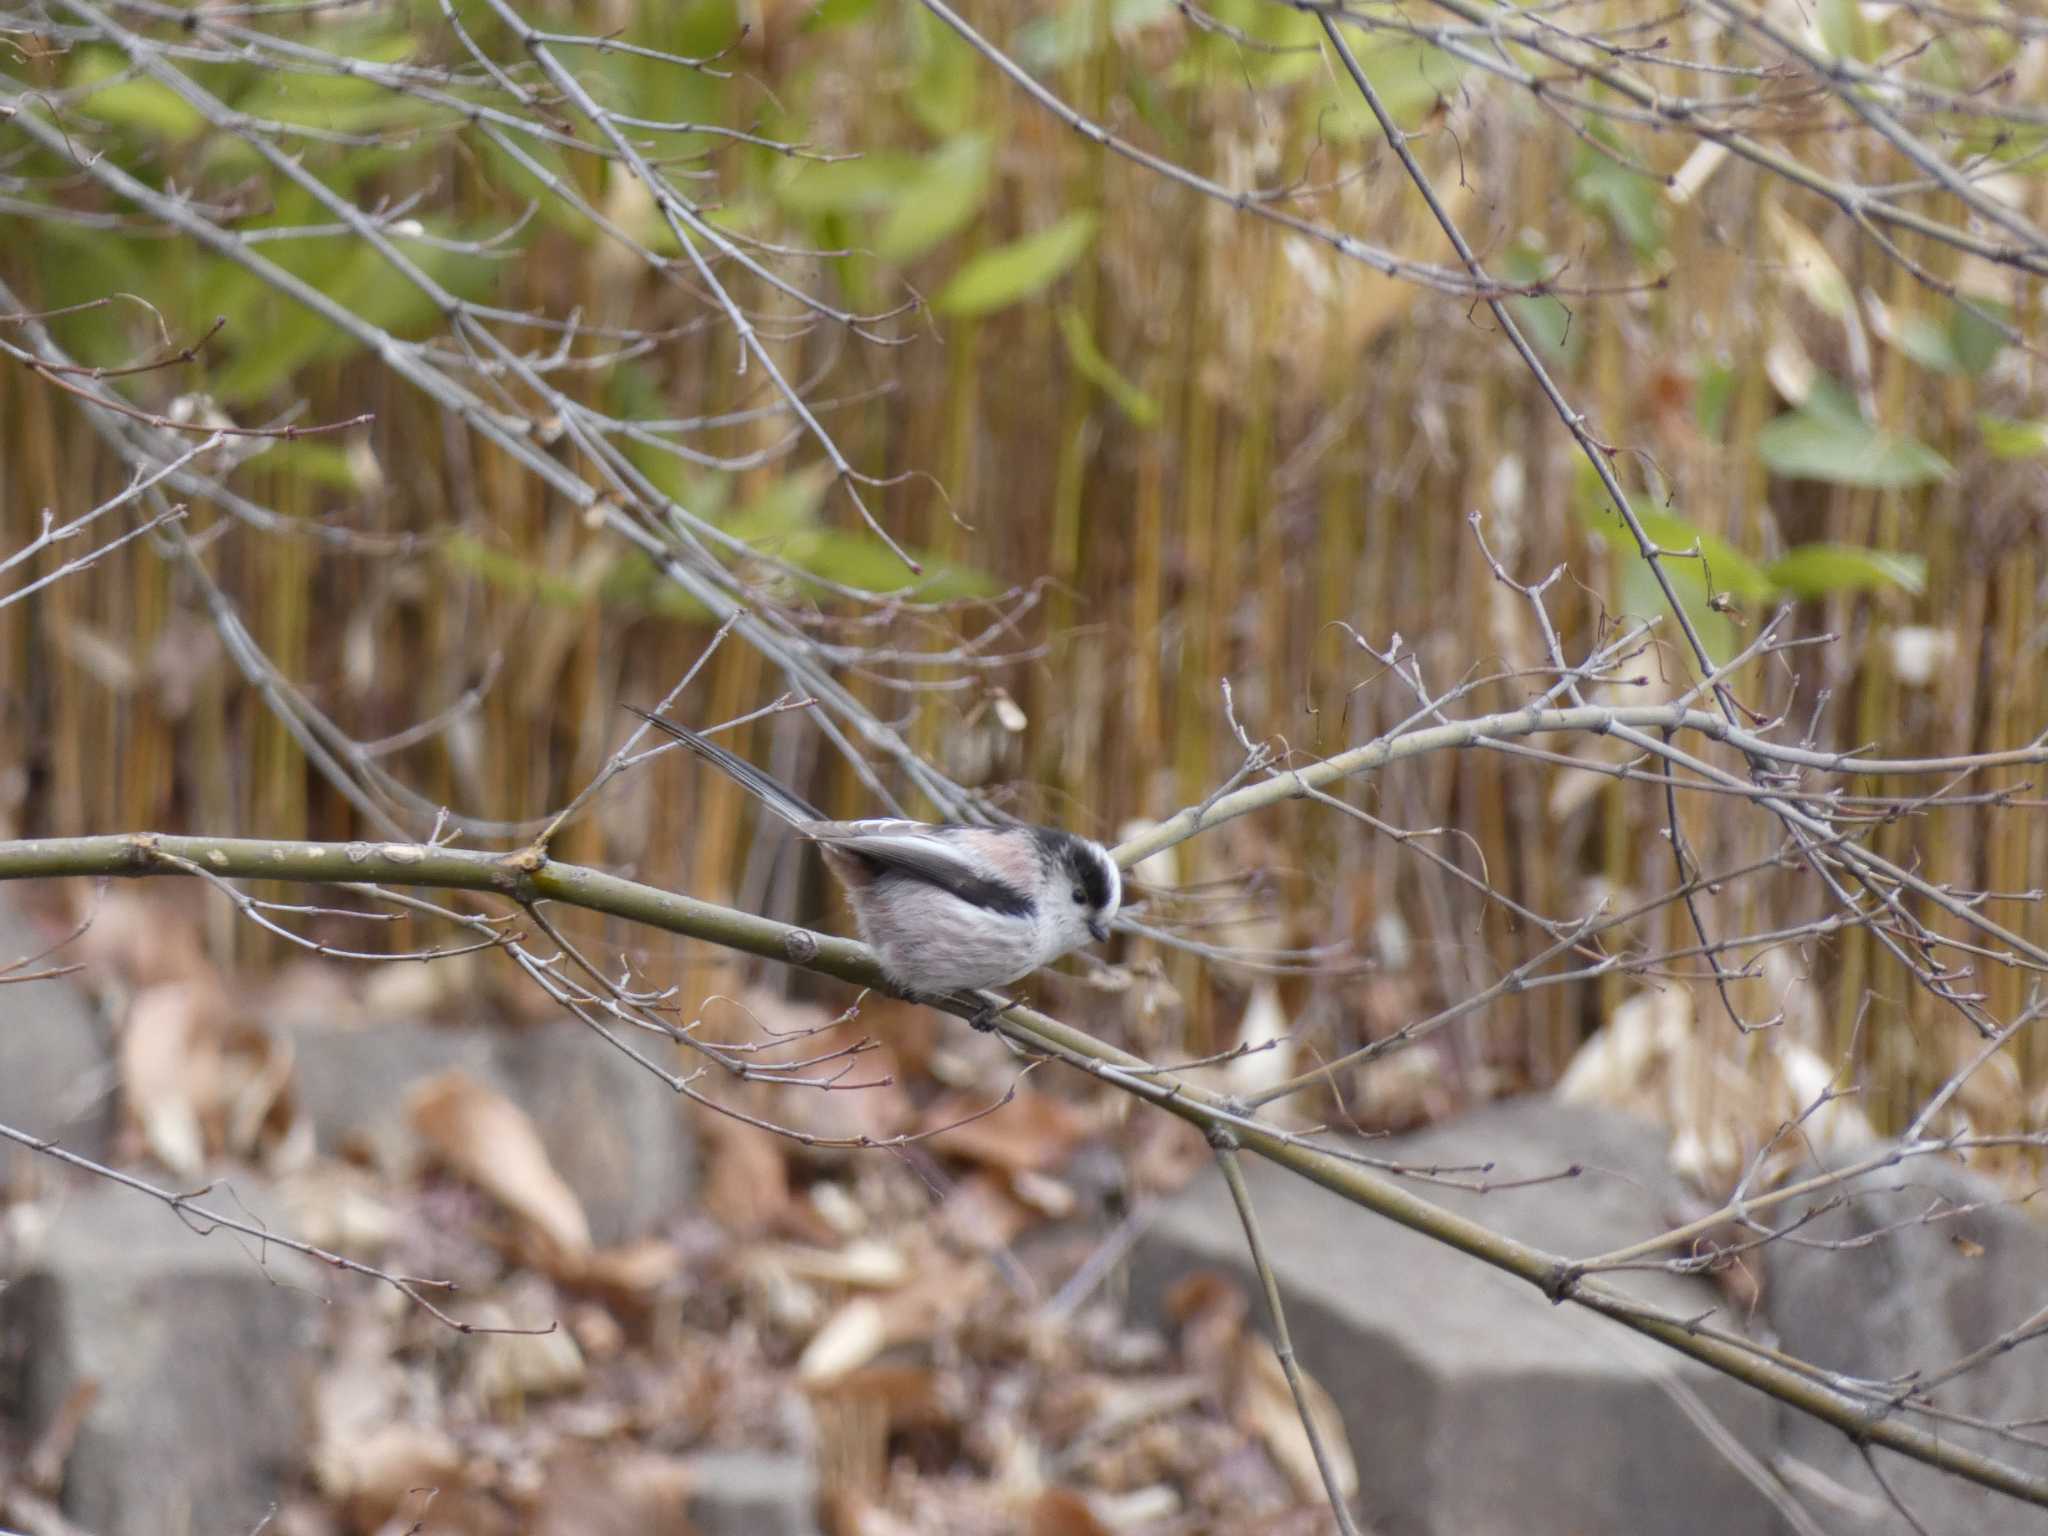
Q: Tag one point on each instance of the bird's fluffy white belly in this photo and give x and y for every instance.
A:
(930, 941)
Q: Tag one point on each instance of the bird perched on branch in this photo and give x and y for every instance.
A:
(946, 906)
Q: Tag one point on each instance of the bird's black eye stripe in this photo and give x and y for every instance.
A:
(1081, 862)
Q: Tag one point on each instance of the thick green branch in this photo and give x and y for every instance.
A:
(520, 876)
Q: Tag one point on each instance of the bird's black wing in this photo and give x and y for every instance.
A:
(924, 852)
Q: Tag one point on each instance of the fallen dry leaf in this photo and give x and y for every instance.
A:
(1210, 1307)
(1062, 1512)
(171, 1068)
(1109, 1407)
(509, 1367)
(308, 992)
(1044, 1194)
(375, 1473)
(1267, 1408)
(341, 1208)
(1166, 1153)
(942, 1291)
(416, 991)
(983, 1213)
(485, 1138)
(869, 1263)
(597, 1332)
(631, 1273)
(613, 1493)
(868, 1101)
(857, 1413)
(1034, 1132)
(905, 1396)
(146, 938)
(1140, 1509)
(851, 1337)
(259, 1118)
(746, 1187)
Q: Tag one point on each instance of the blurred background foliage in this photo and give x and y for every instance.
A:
(1213, 442)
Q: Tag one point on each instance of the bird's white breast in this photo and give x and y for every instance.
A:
(929, 940)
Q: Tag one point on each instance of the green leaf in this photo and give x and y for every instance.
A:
(945, 93)
(345, 103)
(2007, 438)
(858, 559)
(468, 553)
(1544, 319)
(1047, 43)
(147, 106)
(866, 185)
(944, 196)
(1411, 79)
(1721, 568)
(999, 278)
(1828, 439)
(1714, 393)
(1817, 570)
(511, 175)
(633, 585)
(1631, 202)
(84, 266)
(277, 337)
(1973, 338)
(1089, 362)
(828, 14)
(1642, 596)
(1804, 571)
(787, 504)
(783, 521)
(314, 460)
(1925, 340)
(1844, 30)
(1284, 46)
(626, 582)
(1941, 64)
(1965, 343)
(1729, 569)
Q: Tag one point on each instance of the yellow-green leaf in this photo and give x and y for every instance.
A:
(1089, 362)
(2011, 439)
(999, 278)
(866, 185)
(1816, 570)
(1727, 568)
(941, 199)
(147, 106)
(1829, 439)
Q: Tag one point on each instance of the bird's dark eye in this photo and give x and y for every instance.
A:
(1080, 897)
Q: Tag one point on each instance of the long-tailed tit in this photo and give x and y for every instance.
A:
(944, 905)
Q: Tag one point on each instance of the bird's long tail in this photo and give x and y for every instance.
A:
(782, 802)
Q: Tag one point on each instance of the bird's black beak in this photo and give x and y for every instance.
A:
(1100, 929)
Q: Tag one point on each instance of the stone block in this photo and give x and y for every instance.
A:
(1942, 1264)
(197, 1352)
(56, 1071)
(753, 1493)
(350, 1079)
(1473, 1405)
